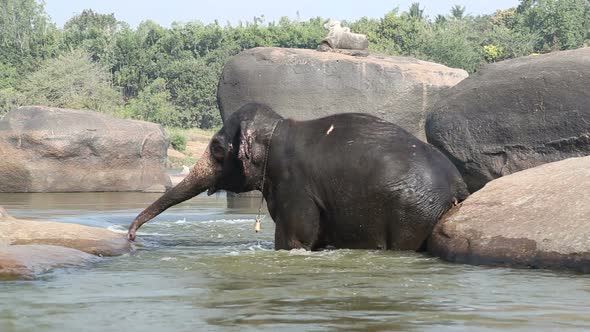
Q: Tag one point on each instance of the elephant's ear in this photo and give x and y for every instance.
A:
(247, 136)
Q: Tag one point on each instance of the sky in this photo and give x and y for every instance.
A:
(233, 11)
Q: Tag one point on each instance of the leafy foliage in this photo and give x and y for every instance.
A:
(72, 80)
(9, 99)
(153, 104)
(170, 75)
(26, 35)
(561, 24)
(177, 139)
(455, 43)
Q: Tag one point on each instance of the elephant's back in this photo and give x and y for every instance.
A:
(352, 135)
(364, 155)
(352, 147)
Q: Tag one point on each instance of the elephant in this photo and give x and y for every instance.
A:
(348, 180)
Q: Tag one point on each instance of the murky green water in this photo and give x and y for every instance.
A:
(204, 269)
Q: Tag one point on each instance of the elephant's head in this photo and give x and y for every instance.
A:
(233, 161)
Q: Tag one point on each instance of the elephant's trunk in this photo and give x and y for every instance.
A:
(200, 178)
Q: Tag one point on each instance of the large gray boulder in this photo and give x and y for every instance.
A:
(537, 218)
(46, 149)
(307, 84)
(515, 115)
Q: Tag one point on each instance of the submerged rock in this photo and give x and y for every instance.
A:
(28, 247)
(514, 115)
(27, 261)
(307, 84)
(46, 149)
(92, 240)
(538, 218)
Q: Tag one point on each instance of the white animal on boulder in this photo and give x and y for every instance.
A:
(340, 37)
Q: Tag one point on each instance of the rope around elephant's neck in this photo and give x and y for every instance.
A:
(258, 220)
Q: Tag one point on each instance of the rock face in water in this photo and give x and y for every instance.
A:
(28, 247)
(58, 150)
(307, 84)
(536, 218)
(26, 261)
(515, 115)
(92, 240)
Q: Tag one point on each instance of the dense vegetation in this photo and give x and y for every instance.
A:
(170, 75)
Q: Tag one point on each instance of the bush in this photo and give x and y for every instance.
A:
(72, 81)
(153, 104)
(455, 44)
(510, 43)
(561, 24)
(9, 99)
(177, 139)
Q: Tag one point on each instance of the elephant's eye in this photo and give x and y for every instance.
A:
(217, 151)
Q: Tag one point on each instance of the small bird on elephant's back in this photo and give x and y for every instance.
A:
(344, 181)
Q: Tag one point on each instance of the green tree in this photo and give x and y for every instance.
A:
(73, 81)
(128, 56)
(524, 6)
(405, 32)
(140, 54)
(153, 104)
(458, 12)
(415, 12)
(440, 19)
(26, 37)
(561, 24)
(512, 43)
(297, 34)
(456, 43)
(506, 18)
(193, 84)
(10, 98)
(93, 32)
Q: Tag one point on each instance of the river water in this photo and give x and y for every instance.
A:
(202, 268)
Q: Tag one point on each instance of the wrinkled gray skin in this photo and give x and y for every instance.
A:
(344, 181)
